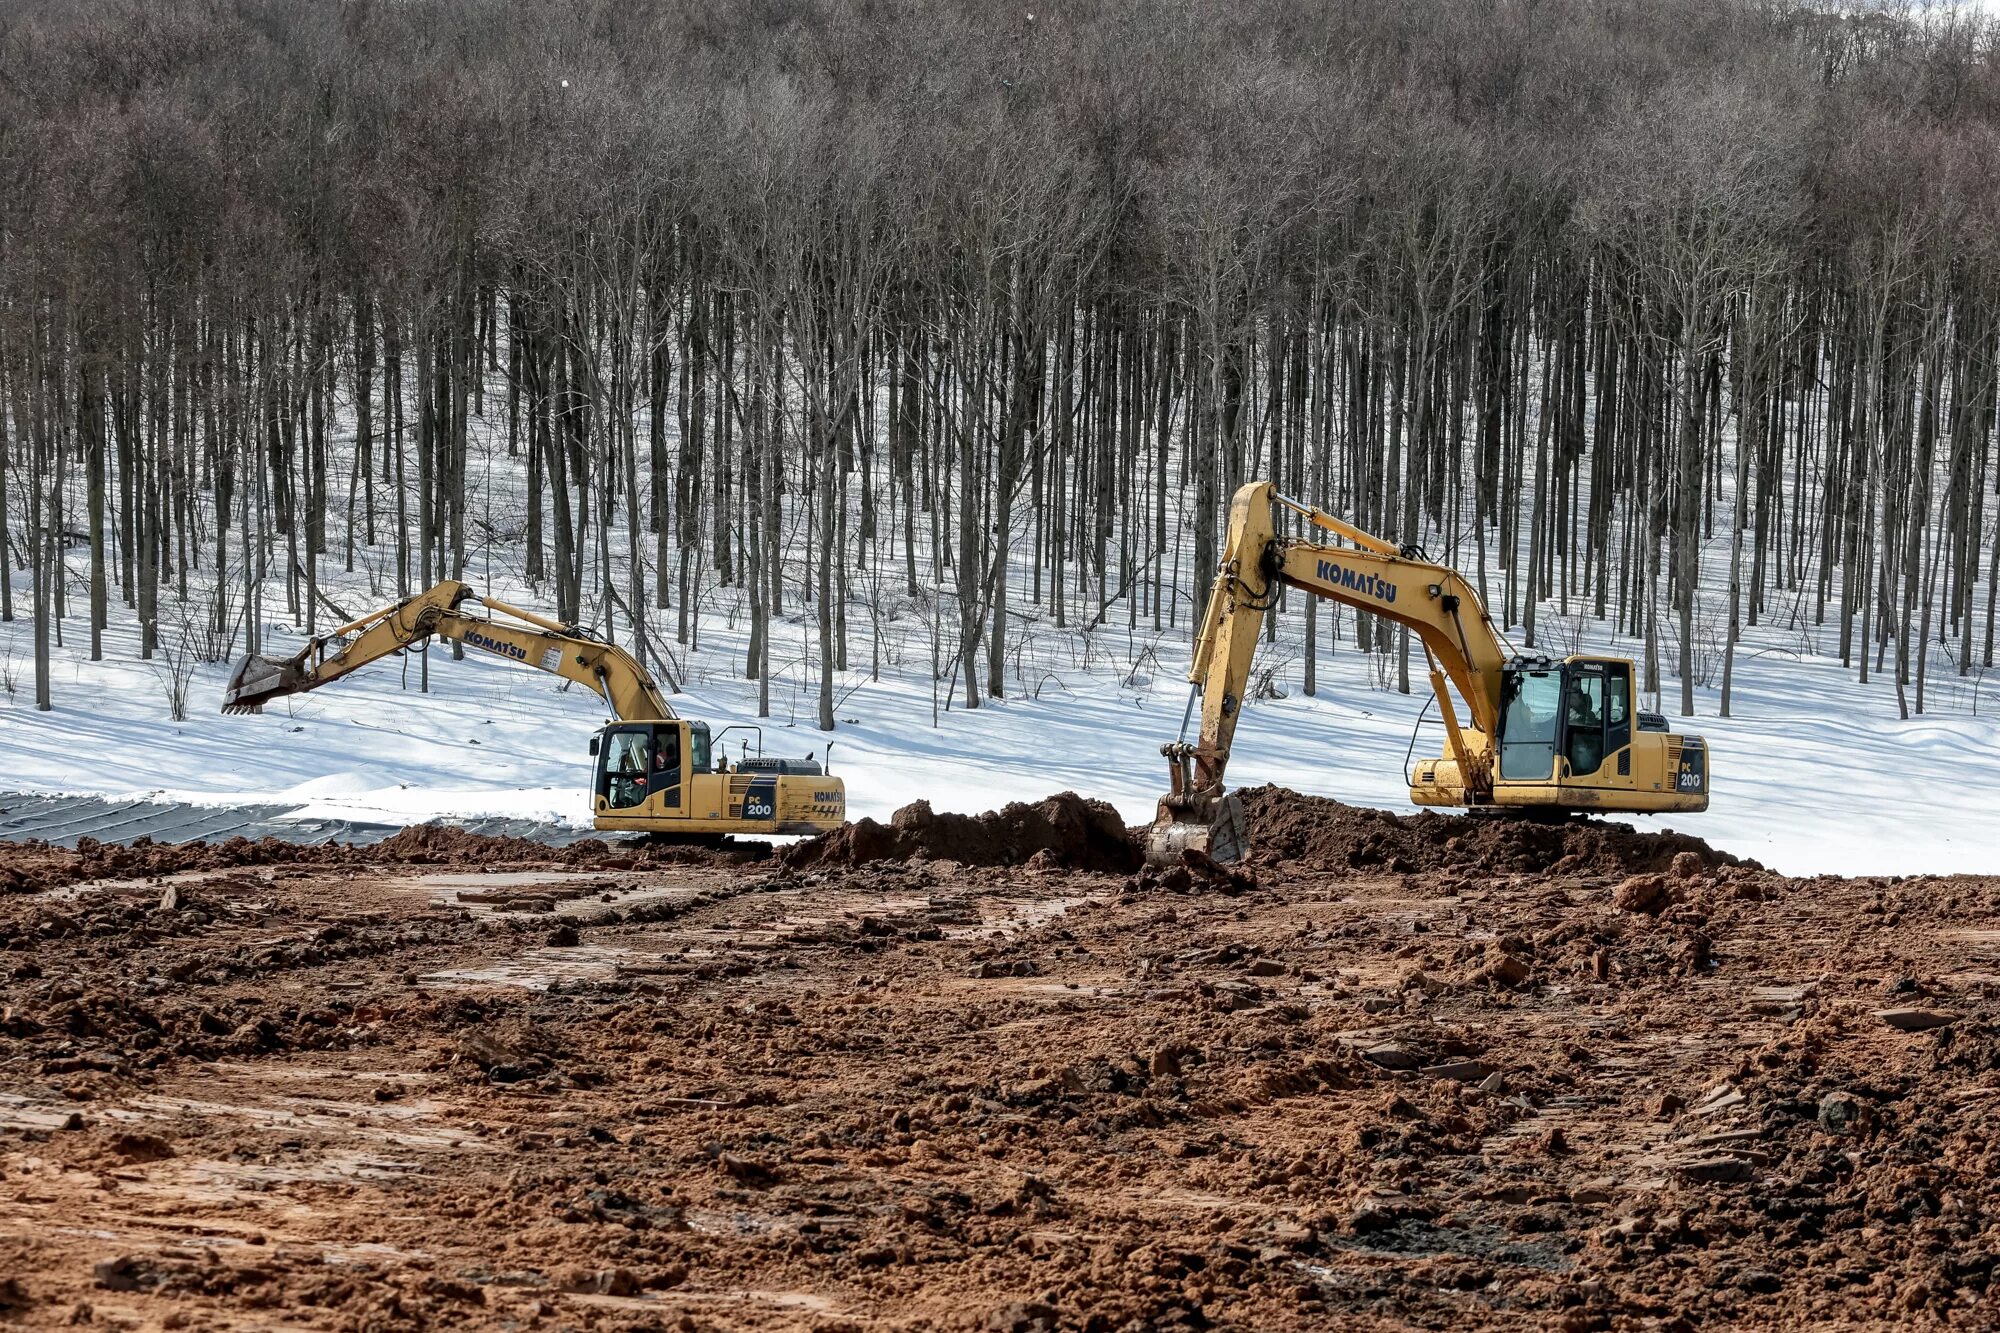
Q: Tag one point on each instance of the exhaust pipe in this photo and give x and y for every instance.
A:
(257, 680)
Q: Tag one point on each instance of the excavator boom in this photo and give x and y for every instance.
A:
(504, 631)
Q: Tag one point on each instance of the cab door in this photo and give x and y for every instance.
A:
(619, 782)
(1530, 724)
(669, 778)
(1597, 726)
(641, 770)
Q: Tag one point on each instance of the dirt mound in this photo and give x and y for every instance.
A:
(1316, 833)
(1064, 831)
(442, 844)
(31, 867)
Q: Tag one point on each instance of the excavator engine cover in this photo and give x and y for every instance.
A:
(258, 680)
(1213, 827)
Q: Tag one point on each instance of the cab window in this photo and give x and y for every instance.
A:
(667, 764)
(667, 755)
(1583, 721)
(622, 768)
(1617, 708)
(1528, 725)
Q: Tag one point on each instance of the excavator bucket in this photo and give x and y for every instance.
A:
(1213, 828)
(257, 680)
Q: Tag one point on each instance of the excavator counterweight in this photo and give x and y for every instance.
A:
(1524, 734)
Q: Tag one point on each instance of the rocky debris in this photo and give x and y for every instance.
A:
(1075, 834)
(136, 1147)
(1649, 894)
(1381, 1209)
(1916, 1019)
(128, 1273)
(1459, 1071)
(613, 1282)
(1502, 968)
(990, 968)
(1714, 1169)
(1972, 1045)
(1022, 1317)
(1198, 872)
(748, 1170)
(1391, 1055)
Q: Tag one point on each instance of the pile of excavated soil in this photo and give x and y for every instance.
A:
(1286, 830)
(1317, 833)
(31, 867)
(1064, 831)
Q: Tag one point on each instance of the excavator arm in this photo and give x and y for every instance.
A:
(442, 612)
(1464, 651)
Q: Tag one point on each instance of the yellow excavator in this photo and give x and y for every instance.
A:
(1538, 735)
(654, 772)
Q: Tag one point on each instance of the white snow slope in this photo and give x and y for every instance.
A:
(1815, 773)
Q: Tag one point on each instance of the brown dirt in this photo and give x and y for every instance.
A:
(1315, 833)
(1064, 831)
(923, 1095)
(33, 867)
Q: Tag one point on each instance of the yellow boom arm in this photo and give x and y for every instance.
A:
(1372, 575)
(505, 631)
(1463, 649)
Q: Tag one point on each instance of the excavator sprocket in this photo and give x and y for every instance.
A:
(1212, 826)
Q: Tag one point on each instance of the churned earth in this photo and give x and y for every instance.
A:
(1398, 1072)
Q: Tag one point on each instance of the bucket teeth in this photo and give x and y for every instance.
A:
(257, 680)
(1214, 828)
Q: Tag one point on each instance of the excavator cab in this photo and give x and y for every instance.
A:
(662, 776)
(1570, 739)
(1574, 714)
(643, 766)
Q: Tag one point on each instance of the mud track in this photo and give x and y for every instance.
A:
(1569, 1079)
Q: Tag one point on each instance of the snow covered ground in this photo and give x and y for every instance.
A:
(1814, 774)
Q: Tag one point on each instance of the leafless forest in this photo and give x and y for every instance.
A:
(1661, 316)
